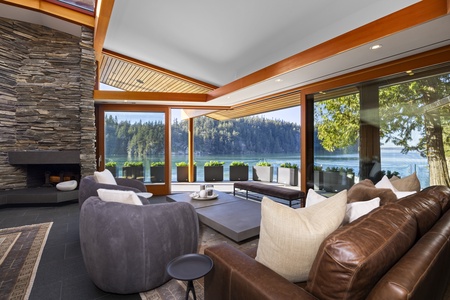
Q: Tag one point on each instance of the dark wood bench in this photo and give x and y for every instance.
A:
(271, 190)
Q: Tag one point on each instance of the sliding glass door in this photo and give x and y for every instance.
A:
(133, 144)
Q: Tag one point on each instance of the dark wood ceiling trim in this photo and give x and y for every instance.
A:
(158, 69)
(104, 12)
(421, 60)
(54, 10)
(413, 15)
(126, 95)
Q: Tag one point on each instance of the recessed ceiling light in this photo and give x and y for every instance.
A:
(375, 47)
(278, 80)
(410, 72)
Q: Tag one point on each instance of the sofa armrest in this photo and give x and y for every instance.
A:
(236, 275)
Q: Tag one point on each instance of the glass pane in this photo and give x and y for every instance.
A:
(247, 140)
(336, 142)
(415, 129)
(134, 144)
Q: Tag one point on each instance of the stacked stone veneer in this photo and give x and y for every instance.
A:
(47, 80)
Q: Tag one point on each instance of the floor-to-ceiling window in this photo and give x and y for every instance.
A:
(414, 128)
(396, 126)
(134, 144)
(336, 140)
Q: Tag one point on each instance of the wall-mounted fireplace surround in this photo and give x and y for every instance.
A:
(46, 101)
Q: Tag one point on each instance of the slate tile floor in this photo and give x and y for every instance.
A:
(61, 274)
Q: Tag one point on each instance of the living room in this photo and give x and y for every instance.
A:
(50, 102)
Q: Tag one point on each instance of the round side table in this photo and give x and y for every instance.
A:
(189, 267)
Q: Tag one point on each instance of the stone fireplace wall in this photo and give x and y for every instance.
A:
(47, 81)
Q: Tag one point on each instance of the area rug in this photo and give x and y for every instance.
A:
(176, 289)
(20, 252)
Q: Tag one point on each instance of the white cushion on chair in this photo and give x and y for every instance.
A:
(105, 177)
(127, 197)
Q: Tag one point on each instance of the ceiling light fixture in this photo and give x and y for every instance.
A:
(375, 47)
(278, 80)
(410, 72)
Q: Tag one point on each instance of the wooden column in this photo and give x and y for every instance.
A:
(191, 149)
(369, 129)
(306, 140)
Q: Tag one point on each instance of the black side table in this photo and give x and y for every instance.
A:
(189, 267)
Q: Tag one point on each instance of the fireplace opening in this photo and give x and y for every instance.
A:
(50, 175)
(47, 168)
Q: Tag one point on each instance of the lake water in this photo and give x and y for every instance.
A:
(392, 159)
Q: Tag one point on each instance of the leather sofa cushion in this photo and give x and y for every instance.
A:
(352, 259)
(426, 209)
(366, 190)
(422, 273)
(441, 194)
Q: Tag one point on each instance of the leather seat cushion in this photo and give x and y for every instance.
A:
(353, 258)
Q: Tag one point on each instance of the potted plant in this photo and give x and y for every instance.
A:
(112, 167)
(337, 179)
(263, 171)
(238, 171)
(331, 179)
(318, 177)
(213, 170)
(183, 172)
(157, 171)
(288, 174)
(133, 169)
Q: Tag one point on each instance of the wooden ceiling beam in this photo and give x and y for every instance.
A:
(417, 61)
(54, 10)
(410, 16)
(102, 17)
(127, 95)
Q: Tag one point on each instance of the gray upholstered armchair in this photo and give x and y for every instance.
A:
(88, 187)
(126, 247)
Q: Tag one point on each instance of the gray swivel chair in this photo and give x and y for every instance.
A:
(126, 247)
(88, 187)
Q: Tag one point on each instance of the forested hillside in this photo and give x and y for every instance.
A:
(241, 136)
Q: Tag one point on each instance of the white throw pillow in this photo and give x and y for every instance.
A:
(401, 194)
(360, 208)
(289, 238)
(127, 197)
(105, 177)
(385, 183)
(313, 198)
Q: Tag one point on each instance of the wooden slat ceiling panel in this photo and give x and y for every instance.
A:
(131, 77)
(258, 107)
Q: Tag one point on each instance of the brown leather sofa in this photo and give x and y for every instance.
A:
(400, 250)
